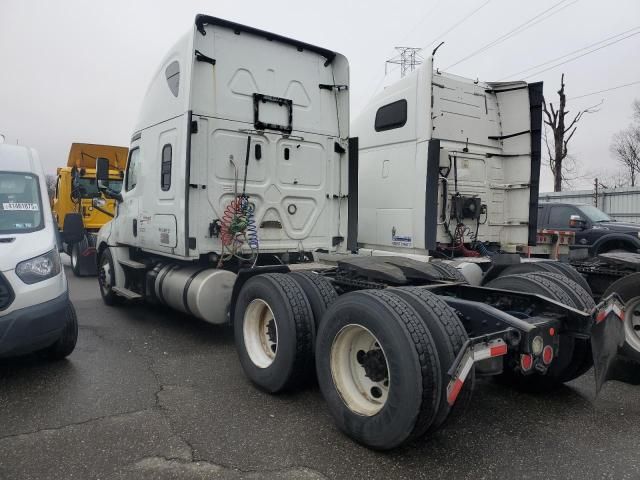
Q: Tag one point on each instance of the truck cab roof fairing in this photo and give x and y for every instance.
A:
(202, 20)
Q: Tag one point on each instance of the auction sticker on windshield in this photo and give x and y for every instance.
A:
(30, 207)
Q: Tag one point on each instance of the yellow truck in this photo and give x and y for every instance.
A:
(77, 196)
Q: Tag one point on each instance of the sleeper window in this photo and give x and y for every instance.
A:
(173, 77)
(393, 115)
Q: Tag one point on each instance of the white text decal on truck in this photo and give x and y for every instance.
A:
(32, 207)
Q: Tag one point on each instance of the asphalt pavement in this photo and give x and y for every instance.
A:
(151, 393)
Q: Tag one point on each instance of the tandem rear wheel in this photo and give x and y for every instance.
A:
(381, 357)
(274, 332)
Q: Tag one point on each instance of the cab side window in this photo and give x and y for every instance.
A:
(133, 168)
(165, 168)
(559, 216)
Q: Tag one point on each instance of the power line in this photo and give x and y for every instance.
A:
(580, 56)
(520, 28)
(605, 90)
(568, 54)
(382, 78)
(457, 24)
(422, 19)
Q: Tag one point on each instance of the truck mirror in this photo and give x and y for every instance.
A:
(576, 221)
(102, 169)
(73, 228)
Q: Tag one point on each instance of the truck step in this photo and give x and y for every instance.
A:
(132, 264)
(126, 293)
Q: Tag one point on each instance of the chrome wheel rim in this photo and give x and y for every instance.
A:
(360, 370)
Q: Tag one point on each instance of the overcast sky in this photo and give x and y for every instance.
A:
(76, 70)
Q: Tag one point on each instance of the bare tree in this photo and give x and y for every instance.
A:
(615, 179)
(51, 181)
(625, 146)
(562, 131)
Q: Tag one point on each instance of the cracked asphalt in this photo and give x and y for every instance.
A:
(150, 393)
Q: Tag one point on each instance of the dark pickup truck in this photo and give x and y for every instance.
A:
(594, 229)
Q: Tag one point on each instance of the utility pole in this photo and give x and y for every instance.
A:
(408, 58)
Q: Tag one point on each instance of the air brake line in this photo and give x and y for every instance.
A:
(238, 222)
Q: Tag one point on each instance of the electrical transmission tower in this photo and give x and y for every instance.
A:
(408, 58)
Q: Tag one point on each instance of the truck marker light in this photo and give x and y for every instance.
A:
(474, 353)
(537, 344)
(526, 362)
(552, 332)
(547, 354)
(499, 350)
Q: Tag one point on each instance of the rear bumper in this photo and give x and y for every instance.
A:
(33, 328)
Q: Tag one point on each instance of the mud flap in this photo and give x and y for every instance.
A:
(607, 337)
(87, 261)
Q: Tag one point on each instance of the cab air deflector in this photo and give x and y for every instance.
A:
(202, 20)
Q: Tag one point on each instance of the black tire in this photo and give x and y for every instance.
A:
(76, 251)
(449, 337)
(628, 288)
(536, 267)
(292, 364)
(105, 282)
(580, 298)
(449, 272)
(65, 345)
(319, 291)
(414, 388)
(572, 273)
(529, 283)
(575, 354)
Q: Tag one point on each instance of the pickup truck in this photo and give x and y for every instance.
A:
(594, 229)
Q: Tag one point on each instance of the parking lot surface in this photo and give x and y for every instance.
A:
(151, 393)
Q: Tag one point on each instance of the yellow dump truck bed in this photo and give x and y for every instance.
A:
(79, 199)
(83, 155)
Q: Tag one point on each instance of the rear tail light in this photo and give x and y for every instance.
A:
(547, 354)
(526, 362)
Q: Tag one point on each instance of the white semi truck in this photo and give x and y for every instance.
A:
(242, 169)
(446, 161)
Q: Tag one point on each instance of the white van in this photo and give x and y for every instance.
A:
(35, 311)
